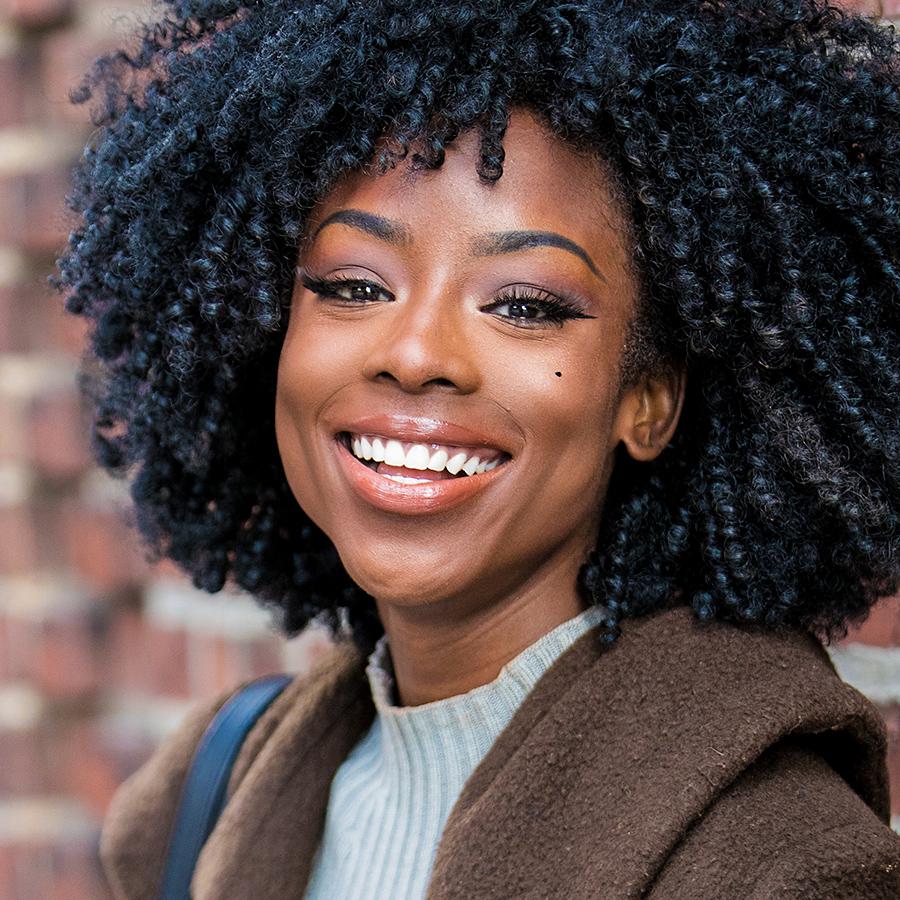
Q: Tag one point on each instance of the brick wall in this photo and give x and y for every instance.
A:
(99, 655)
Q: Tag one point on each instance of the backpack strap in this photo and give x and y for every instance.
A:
(203, 794)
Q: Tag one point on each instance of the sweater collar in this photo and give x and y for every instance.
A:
(517, 677)
(458, 730)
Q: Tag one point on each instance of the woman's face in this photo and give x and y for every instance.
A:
(474, 319)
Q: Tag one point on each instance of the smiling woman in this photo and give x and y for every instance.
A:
(431, 312)
(545, 353)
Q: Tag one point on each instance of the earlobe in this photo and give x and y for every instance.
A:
(651, 410)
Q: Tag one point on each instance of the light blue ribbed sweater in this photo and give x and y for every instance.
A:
(392, 795)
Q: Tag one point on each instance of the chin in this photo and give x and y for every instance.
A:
(412, 583)
(398, 554)
(405, 592)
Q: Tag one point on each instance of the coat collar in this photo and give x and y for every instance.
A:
(613, 755)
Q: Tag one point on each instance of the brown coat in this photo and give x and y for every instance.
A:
(684, 761)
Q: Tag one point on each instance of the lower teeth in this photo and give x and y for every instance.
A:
(373, 465)
(404, 480)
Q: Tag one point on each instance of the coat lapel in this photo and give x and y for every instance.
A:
(619, 749)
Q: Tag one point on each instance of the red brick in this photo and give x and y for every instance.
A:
(12, 97)
(5, 667)
(35, 13)
(53, 640)
(62, 870)
(24, 766)
(33, 318)
(166, 568)
(881, 628)
(35, 217)
(21, 637)
(146, 660)
(869, 8)
(65, 58)
(58, 429)
(84, 768)
(125, 750)
(213, 666)
(98, 546)
(9, 321)
(19, 549)
(264, 656)
(217, 663)
(13, 430)
(125, 651)
(67, 662)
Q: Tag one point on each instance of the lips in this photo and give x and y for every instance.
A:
(412, 499)
(418, 489)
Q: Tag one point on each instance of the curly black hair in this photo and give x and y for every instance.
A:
(755, 146)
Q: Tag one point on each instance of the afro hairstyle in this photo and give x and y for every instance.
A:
(755, 146)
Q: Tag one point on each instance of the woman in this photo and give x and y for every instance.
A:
(546, 352)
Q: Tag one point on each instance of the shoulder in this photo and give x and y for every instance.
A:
(752, 689)
(786, 761)
(135, 835)
(788, 827)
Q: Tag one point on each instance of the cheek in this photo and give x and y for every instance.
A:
(306, 378)
(568, 420)
(297, 386)
(563, 399)
(316, 359)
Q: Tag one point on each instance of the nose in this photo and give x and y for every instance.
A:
(422, 344)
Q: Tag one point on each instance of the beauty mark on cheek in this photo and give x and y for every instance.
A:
(558, 374)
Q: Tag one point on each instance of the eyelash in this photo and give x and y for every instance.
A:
(556, 309)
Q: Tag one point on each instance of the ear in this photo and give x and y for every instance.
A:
(649, 411)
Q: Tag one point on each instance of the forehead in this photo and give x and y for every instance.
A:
(546, 185)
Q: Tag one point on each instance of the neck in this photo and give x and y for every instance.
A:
(435, 655)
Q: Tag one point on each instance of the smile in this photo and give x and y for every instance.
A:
(415, 478)
(424, 462)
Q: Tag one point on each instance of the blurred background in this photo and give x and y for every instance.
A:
(100, 654)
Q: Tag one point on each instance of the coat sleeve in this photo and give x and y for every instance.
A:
(788, 828)
(853, 862)
(135, 835)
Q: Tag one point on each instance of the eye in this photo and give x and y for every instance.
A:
(350, 290)
(529, 307)
(525, 306)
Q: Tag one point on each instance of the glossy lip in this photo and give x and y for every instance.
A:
(411, 499)
(422, 430)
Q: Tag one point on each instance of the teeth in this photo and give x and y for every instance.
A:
(438, 460)
(455, 463)
(393, 453)
(418, 456)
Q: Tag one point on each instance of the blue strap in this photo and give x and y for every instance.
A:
(203, 794)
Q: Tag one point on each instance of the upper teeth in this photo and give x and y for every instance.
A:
(434, 457)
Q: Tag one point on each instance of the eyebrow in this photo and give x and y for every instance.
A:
(512, 241)
(491, 244)
(384, 229)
